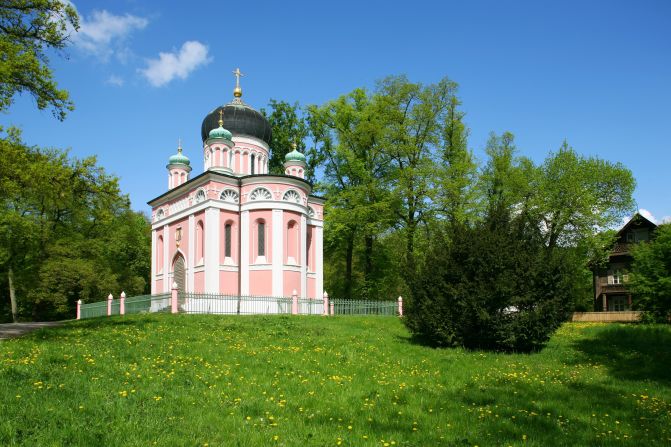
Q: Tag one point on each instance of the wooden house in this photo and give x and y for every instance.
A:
(611, 292)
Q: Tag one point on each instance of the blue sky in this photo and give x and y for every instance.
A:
(144, 73)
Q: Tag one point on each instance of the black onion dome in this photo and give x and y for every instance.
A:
(239, 119)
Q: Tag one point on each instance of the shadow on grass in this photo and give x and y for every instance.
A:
(631, 352)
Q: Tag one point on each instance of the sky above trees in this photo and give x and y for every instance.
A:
(143, 74)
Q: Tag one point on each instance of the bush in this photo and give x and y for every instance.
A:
(651, 276)
(494, 285)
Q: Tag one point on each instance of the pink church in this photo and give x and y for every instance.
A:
(235, 229)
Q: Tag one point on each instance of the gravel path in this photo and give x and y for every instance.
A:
(13, 330)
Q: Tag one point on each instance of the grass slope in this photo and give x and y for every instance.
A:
(312, 381)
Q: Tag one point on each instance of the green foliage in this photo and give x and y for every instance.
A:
(287, 381)
(289, 128)
(651, 275)
(494, 285)
(28, 28)
(66, 232)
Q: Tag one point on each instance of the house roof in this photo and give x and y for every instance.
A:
(639, 220)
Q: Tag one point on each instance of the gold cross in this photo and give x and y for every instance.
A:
(238, 75)
(179, 145)
(221, 118)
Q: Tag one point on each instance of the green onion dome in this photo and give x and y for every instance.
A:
(294, 156)
(221, 133)
(179, 158)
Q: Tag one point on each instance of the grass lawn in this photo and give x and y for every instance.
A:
(312, 381)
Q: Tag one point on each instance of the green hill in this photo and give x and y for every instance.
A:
(313, 381)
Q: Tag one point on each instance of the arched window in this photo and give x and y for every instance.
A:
(292, 242)
(260, 194)
(252, 161)
(228, 229)
(200, 242)
(292, 196)
(311, 212)
(159, 254)
(160, 215)
(200, 196)
(261, 238)
(228, 195)
(230, 160)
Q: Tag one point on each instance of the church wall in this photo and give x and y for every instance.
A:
(199, 280)
(228, 282)
(261, 282)
(312, 286)
(225, 218)
(292, 281)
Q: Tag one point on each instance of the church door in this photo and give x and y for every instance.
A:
(179, 273)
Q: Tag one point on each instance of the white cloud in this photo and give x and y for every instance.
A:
(103, 33)
(666, 219)
(169, 66)
(115, 80)
(647, 214)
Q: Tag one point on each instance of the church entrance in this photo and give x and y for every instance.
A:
(179, 273)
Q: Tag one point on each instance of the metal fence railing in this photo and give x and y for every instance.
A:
(211, 303)
(364, 307)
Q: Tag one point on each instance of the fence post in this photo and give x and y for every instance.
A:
(332, 308)
(122, 303)
(173, 296)
(109, 304)
(326, 303)
(294, 303)
(79, 309)
(400, 306)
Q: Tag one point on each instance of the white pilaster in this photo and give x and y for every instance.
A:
(211, 250)
(166, 259)
(319, 260)
(244, 253)
(304, 256)
(278, 252)
(191, 255)
(154, 262)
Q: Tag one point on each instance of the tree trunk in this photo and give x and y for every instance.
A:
(348, 265)
(12, 294)
(410, 251)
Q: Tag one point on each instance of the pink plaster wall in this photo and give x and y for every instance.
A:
(312, 285)
(261, 282)
(292, 281)
(228, 282)
(311, 250)
(199, 282)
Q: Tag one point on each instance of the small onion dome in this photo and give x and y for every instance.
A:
(294, 156)
(179, 158)
(221, 133)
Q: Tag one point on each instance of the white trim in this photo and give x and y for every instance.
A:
(191, 258)
(260, 267)
(316, 223)
(274, 204)
(292, 268)
(166, 257)
(304, 257)
(227, 268)
(278, 252)
(319, 260)
(209, 203)
(154, 255)
(211, 256)
(244, 253)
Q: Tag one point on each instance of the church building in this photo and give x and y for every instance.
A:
(235, 229)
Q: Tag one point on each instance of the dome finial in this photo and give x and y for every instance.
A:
(237, 92)
(221, 118)
(179, 145)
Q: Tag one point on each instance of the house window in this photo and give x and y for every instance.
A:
(618, 277)
(227, 240)
(630, 237)
(261, 239)
(253, 159)
(618, 303)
